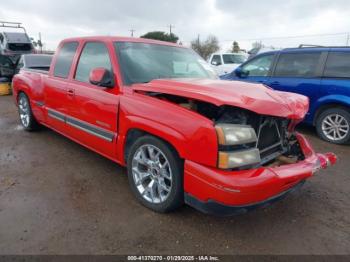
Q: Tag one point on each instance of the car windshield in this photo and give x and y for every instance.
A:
(234, 59)
(142, 62)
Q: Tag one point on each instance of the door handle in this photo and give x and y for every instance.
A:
(70, 92)
(275, 83)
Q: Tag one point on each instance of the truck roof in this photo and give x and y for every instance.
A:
(16, 37)
(121, 39)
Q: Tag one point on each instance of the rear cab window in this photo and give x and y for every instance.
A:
(64, 59)
(298, 64)
(337, 65)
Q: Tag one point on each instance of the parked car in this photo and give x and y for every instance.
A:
(34, 62)
(7, 67)
(225, 63)
(14, 44)
(320, 73)
(219, 146)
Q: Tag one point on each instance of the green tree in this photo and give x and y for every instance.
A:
(206, 48)
(162, 36)
(235, 47)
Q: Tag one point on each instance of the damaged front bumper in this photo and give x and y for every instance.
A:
(220, 192)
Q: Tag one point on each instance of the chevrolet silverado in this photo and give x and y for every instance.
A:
(184, 136)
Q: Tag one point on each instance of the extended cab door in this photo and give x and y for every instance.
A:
(92, 115)
(56, 94)
(216, 62)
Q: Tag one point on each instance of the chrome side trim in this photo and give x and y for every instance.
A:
(91, 129)
(56, 115)
(82, 125)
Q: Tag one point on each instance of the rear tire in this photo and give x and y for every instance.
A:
(26, 116)
(155, 174)
(333, 125)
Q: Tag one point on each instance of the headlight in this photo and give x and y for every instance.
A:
(230, 134)
(239, 158)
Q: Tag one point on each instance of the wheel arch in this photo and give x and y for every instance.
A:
(330, 102)
(134, 133)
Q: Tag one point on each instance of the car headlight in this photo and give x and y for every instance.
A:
(231, 135)
(238, 158)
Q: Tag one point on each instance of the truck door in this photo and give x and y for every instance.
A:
(55, 87)
(216, 62)
(92, 116)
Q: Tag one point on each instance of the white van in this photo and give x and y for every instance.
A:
(224, 63)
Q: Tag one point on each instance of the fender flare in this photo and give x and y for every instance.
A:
(323, 102)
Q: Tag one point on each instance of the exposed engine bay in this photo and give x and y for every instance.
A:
(277, 146)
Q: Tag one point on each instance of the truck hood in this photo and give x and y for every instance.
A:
(254, 97)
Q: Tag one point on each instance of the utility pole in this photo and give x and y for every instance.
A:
(170, 27)
(132, 32)
(40, 43)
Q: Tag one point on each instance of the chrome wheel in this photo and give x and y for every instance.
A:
(335, 127)
(24, 111)
(152, 174)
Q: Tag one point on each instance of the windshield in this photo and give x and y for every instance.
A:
(141, 62)
(233, 59)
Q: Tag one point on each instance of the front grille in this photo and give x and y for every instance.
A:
(271, 134)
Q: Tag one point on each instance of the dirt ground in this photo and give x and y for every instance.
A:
(56, 197)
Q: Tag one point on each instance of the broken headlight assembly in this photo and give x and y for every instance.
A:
(237, 136)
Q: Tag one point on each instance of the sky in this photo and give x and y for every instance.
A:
(278, 23)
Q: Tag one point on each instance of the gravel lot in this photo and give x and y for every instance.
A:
(56, 197)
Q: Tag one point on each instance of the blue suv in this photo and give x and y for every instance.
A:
(320, 73)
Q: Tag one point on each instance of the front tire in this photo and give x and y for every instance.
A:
(155, 174)
(333, 125)
(25, 113)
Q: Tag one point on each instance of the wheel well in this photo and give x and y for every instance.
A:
(327, 106)
(134, 134)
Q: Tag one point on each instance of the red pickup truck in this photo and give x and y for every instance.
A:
(186, 137)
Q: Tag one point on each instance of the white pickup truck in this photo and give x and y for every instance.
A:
(224, 63)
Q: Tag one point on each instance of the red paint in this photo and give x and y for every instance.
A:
(123, 108)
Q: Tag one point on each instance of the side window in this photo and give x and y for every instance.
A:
(93, 55)
(337, 65)
(64, 59)
(297, 64)
(259, 66)
(216, 60)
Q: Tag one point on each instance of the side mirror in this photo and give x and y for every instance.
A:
(101, 77)
(240, 73)
(215, 63)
